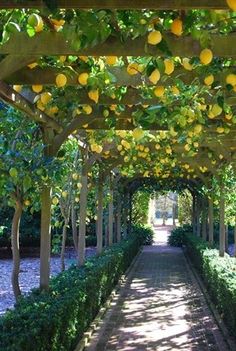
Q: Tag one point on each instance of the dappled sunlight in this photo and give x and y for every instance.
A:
(160, 307)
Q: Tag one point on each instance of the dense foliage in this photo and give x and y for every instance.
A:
(73, 301)
(219, 276)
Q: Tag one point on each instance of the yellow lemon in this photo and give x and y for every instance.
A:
(159, 91)
(231, 79)
(154, 37)
(87, 109)
(169, 66)
(17, 88)
(61, 80)
(198, 129)
(39, 27)
(175, 90)
(83, 78)
(177, 27)
(37, 88)
(94, 95)
(209, 80)
(55, 201)
(133, 68)
(111, 60)
(138, 133)
(206, 56)
(220, 130)
(45, 97)
(231, 4)
(186, 64)
(216, 110)
(154, 76)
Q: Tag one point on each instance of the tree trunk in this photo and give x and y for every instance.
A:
(63, 244)
(211, 221)
(204, 220)
(194, 214)
(118, 221)
(173, 214)
(222, 222)
(99, 226)
(45, 238)
(74, 226)
(15, 233)
(198, 212)
(226, 237)
(130, 213)
(125, 217)
(82, 216)
(110, 213)
(235, 238)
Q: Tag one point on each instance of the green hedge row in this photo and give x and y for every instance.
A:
(219, 275)
(56, 320)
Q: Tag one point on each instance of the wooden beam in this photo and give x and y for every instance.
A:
(54, 44)
(120, 4)
(10, 96)
(47, 76)
(9, 65)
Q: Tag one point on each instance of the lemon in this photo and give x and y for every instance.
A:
(133, 68)
(61, 80)
(228, 117)
(55, 201)
(111, 60)
(17, 88)
(87, 109)
(138, 133)
(231, 4)
(64, 194)
(206, 56)
(154, 37)
(154, 76)
(220, 130)
(37, 88)
(83, 78)
(62, 58)
(169, 66)
(177, 27)
(209, 80)
(231, 79)
(75, 176)
(186, 64)
(39, 27)
(159, 91)
(198, 129)
(94, 95)
(216, 110)
(175, 90)
(45, 97)
(27, 202)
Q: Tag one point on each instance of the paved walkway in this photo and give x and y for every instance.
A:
(160, 307)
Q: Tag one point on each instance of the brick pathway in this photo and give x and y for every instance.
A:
(160, 307)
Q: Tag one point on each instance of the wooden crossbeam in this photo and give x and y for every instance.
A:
(8, 95)
(54, 44)
(120, 4)
(120, 124)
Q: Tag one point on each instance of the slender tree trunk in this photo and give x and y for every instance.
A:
(45, 244)
(198, 211)
(118, 221)
(226, 237)
(15, 233)
(82, 216)
(63, 244)
(99, 226)
(194, 214)
(235, 238)
(204, 220)
(173, 214)
(130, 213)
(110, 213)
(74, 226)
(222, 222)
(211, 221)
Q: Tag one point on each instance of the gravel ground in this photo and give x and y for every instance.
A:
(29, 275)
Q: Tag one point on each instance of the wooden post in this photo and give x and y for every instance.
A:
(118, 220)
(125, 215)
(110, 211)
(211, 220)
(235, 236)
(83, 211)
(99, 226)
(222, 222)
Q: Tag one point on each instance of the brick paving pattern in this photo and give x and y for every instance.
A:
(160, 307)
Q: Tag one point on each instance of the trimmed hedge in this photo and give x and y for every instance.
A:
(177, 235)
(219, 275)
(56, 320)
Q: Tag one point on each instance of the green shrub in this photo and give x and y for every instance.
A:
(145, 233)
(177, 235)
(56, 320)
(219, 275)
